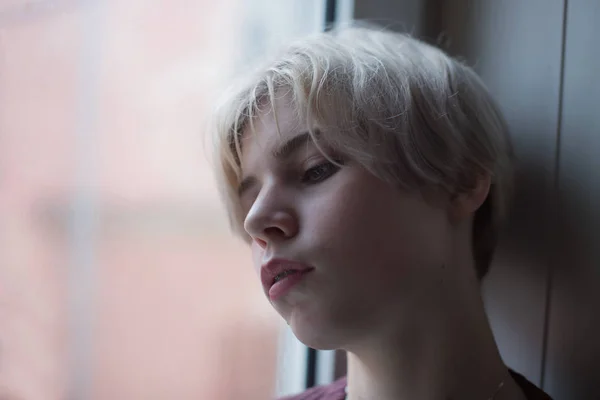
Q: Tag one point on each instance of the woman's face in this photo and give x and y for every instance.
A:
(373, 249)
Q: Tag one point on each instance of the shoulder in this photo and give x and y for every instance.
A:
(531, 391)
(333, 391)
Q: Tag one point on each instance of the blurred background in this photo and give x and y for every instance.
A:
(119, 278)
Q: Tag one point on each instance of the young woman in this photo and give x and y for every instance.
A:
(369, 172)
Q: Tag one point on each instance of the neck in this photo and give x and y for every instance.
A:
(442, 349)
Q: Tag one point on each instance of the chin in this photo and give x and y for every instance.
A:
(316, 340)
(315, 333)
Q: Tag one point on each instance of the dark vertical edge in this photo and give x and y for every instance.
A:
(556, 206)
(311, 368)
(330, 11)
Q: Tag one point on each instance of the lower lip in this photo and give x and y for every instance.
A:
(283, 286)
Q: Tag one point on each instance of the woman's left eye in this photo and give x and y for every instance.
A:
(319, 172)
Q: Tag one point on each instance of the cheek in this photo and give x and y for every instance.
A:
(373, 230)
(352, 223)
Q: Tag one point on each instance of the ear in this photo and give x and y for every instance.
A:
(465, 204)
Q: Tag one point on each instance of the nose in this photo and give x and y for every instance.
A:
(271, 218)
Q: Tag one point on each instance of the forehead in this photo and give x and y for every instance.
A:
(271, 127)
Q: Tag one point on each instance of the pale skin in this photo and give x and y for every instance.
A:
(394, 282)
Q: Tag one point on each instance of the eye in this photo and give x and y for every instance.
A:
(320, 172)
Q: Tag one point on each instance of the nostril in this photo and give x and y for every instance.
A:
(274, 232)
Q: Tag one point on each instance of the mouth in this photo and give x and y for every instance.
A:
(285, 282)
(279, 276)
(284, 275)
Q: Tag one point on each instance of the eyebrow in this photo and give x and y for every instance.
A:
(292, 145)
(284, 150)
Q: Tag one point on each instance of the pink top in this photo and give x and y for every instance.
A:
(333, 391)
(337, 390)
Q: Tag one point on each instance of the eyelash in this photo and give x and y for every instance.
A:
(325, 170)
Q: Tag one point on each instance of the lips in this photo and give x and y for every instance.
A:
(278, 276)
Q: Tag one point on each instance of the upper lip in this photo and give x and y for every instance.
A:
(276, 266)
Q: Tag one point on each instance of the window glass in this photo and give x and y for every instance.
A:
(119, 278)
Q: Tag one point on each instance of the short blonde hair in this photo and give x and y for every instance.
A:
(405, 110)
